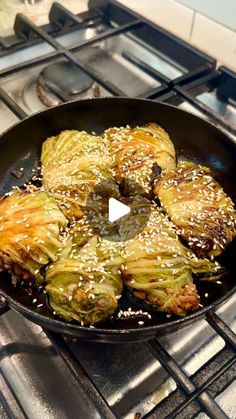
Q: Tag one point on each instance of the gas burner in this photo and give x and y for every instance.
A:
(48, 88)
(46, 97)
(35, 98)
(62, 79)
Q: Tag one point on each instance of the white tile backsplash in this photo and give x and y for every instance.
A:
(169, 14)
(200, 31)
(221, 11)
(214, 39)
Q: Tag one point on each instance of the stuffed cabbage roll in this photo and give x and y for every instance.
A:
(199, 207)
(86, 285)
(72, 164)
(139, 154)
(159, 269)
(30, 225)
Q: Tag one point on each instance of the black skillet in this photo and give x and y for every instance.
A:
(194, 139)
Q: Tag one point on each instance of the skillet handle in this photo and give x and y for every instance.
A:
(4, 307)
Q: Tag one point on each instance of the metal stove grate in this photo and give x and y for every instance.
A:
(193, 394)
(215, 96)
(211, 96)
(182, 63)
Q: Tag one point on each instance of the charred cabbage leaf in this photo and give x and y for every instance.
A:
(30, 225)
(72, 164)
(85, 285)
(198, 206)
(139, 154)
(159, 269)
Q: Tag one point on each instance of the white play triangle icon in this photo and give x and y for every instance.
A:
(116, 210)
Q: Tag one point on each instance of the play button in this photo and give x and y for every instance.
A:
(114, 216)
(116, 210)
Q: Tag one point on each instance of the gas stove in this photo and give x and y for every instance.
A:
(110, 51)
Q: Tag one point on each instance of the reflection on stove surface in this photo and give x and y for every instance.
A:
(226, 109)
(190, 108)
(113, 59)
(118, 71)
(130, 44)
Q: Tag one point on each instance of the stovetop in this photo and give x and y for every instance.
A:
(43, 375)
(128, 375)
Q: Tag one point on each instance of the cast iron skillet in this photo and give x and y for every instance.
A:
(194, 139)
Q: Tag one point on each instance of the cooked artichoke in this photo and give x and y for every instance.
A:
(29, 233)
(139, 153)
(86, 285)
(72, 164)
(159, 269)
(199, 207)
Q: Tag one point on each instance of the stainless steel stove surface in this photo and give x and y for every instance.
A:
(128, 375)
(213, 95)
(226, 109)
(43, 375)
(110, 58)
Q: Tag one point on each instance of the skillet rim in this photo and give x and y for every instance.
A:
(170, 325)
(117, 98)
